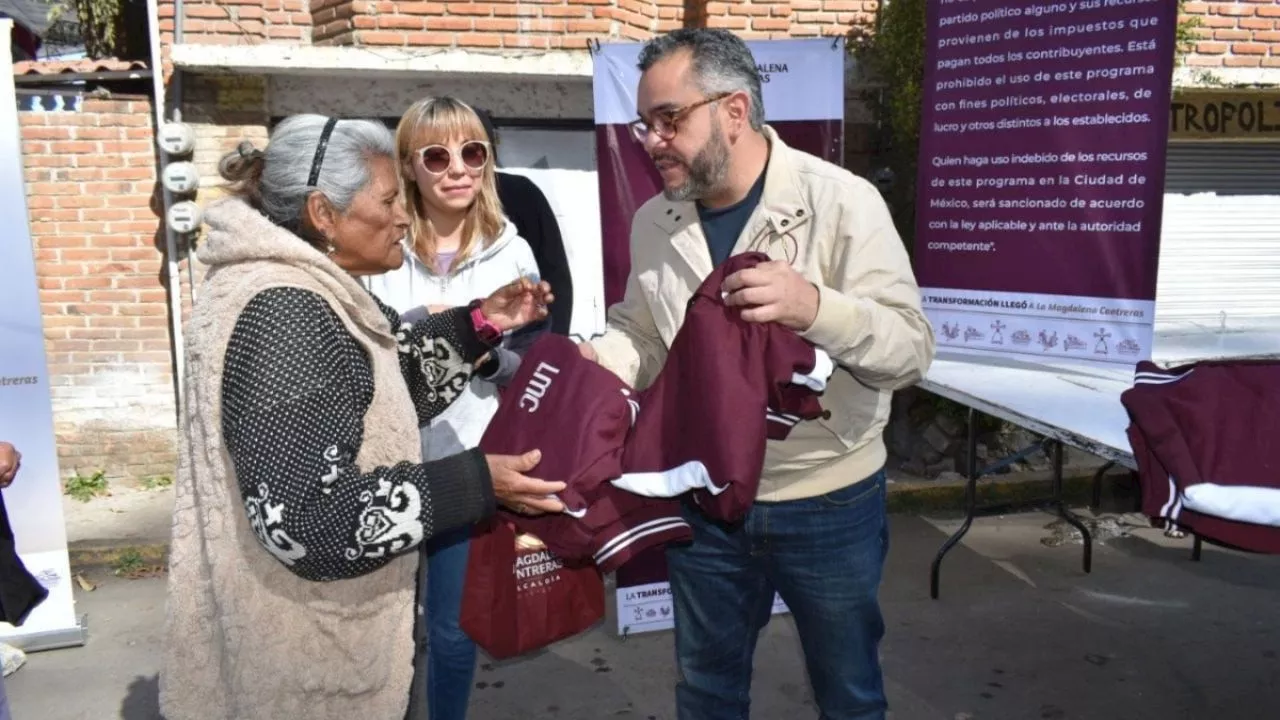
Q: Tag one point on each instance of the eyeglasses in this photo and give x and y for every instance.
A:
(666, 122)
(437, 159)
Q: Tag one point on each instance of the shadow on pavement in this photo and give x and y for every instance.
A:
(143, 700)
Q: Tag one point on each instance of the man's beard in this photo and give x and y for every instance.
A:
(706, 172)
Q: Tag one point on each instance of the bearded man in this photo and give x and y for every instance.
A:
(840, 277)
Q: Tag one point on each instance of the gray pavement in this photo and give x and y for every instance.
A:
(1019, 633)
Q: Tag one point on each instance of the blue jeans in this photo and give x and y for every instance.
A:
(451, 655)
(4, 701)
(825, 556)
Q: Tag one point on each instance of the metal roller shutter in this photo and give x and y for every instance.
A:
(1220, 242)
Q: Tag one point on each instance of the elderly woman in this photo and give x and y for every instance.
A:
(302, 500)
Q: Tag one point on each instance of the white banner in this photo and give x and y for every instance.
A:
(803, 88)
(34, 501)
(801, 80)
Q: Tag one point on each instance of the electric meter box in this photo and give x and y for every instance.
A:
(181, 177)
(176, 138)
(184, 217)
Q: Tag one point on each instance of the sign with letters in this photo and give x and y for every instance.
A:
(1040, 191)
(1225, 115)
(34, 500)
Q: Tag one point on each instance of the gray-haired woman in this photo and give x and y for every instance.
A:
(302, 499)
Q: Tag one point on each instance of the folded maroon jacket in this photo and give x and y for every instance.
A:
(1204, 438)
(578, 415)
(727, 385)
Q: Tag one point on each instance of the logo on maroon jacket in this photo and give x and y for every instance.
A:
(537, 386)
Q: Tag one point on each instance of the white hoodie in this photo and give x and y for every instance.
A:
(414, 285)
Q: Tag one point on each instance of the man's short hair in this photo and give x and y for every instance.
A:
(722, 62)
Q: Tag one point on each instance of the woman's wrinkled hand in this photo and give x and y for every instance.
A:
(517, 491)
(517, 304)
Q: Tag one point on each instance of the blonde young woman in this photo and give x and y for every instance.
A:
(461, 246)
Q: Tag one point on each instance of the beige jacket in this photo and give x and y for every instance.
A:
(835, 229)
(246, 639)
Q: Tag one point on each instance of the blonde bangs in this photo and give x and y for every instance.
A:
(442, 121)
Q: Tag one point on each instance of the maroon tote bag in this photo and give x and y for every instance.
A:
(519, 597)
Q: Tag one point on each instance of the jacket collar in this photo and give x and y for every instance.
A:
(781, 210)
(238, 234)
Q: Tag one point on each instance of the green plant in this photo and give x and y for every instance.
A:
(157, 482)
(137, 563)
(102, 26)
(84, 488)
(1186, 35)
(128, 563)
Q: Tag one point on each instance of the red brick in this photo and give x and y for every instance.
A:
(1249, 49)
(1232, 35)
(566, 12)
(765, 23)
(449, 23)
(429, 39)
(1215, 22)
(588, 26)
(820, 18)
(420, 8)
(397, 22)
(465, 8)
(727, 22)
(480, 40)
(1242, 61)
(528, 11)
(1233, 9)
(495, 24)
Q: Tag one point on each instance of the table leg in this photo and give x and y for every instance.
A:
(1066, 514)
(1097, 486)
(970, 504)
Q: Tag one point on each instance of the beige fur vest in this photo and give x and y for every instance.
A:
(245, 638)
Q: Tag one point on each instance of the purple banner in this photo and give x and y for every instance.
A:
(1041, 181)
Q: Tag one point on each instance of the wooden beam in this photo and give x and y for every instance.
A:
(695, 13)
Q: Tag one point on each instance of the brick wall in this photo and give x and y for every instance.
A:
(755, 20)
(239, 22)
(498, 24)
(90, 176)
(1235, 34)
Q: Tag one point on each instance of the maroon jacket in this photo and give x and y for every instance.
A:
(578, 415)
(727, 385)
(1204, 437)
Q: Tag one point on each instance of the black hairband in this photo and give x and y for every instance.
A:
(320, 147)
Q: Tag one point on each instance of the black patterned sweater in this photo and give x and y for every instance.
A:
(295, 390)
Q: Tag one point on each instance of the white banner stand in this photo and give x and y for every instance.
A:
(34, 501)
